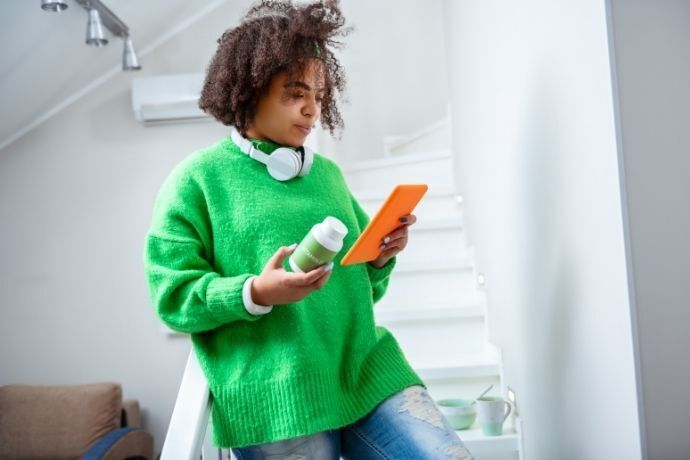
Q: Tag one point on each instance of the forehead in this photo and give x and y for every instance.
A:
(309, 77)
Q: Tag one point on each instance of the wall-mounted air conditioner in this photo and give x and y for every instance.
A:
(168, 98)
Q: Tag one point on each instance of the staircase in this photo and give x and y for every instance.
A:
(434, 305)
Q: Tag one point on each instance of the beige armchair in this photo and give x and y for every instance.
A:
(61, 422)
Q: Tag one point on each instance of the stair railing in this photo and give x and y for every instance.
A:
(187, 429)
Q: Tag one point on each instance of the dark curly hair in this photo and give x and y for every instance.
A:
(274, 36)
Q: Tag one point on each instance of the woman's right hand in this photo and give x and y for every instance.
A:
(275, 285)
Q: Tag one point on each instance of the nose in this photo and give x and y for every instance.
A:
(311, 109)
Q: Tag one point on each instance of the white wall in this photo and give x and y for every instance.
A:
(76, 195)
(534, 134)
(652, 62)
(396, 73)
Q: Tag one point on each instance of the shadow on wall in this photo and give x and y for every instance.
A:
(549, 287)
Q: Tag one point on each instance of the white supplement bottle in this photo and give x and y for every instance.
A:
(319, 246)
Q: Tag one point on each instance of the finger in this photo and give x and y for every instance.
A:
(385, 256)
(276, 260)
(304, 279)
(408, 219)
(325, 270)
(391, 252)
(398, 243)
(402, 241)
(323, 280)
(401, 232)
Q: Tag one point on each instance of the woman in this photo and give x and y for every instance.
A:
(295, 364)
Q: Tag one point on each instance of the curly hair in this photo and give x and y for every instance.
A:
(274, 36)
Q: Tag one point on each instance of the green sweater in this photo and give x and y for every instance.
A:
(305, 367)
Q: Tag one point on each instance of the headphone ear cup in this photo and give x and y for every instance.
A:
(284, 164)
(308, 161)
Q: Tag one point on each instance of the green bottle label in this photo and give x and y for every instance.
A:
(309, 254)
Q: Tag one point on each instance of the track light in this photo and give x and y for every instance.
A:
(129, 56)
(53, 5)
(101, 17)
(94, 30)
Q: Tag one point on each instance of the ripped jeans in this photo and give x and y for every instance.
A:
(407, 425)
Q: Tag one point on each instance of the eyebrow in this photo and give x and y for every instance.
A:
(301, 84)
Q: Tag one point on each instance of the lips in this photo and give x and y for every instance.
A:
(305, 129)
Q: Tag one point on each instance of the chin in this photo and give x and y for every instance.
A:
(295, 142)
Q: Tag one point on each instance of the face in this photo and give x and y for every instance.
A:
(288, 111)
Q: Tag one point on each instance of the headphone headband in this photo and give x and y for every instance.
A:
(283, 163)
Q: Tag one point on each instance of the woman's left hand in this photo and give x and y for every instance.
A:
(394, 242)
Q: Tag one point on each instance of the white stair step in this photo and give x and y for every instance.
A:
(401, 315)
(462, 387)
(433, 168)
(434, 136)
(377, 197)
(387, 163)
(478, 302)
(416, 287)
(464, 261)
(443, 285)
(431, 282)
(438, 241)
(439, 342)
(469, 369)
(441, 203)
(436, 224)
(482, 446)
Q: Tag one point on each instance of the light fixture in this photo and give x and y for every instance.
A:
(129, 56)
(94, 30)
(53, 5)
(101, 17)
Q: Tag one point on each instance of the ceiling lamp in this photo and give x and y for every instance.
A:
(101, 17)
(53, 5)
(129, 56)
(94, 30)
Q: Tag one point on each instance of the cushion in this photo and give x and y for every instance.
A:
(56, 421)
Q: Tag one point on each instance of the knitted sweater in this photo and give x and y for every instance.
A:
(309, 366)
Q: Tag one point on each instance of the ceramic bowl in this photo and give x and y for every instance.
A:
(461, 413)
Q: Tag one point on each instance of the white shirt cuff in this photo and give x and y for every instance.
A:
(253, 308)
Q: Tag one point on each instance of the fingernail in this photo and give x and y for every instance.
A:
(292, 246)
(403, 219)
(386, 240)
(383, 246)
(328, 267)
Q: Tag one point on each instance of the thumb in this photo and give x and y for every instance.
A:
(277, 259)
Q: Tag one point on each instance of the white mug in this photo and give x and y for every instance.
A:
(492, 412)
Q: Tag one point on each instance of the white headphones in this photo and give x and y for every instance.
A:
(283, 163)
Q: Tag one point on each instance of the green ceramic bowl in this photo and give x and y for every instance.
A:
(461, 413)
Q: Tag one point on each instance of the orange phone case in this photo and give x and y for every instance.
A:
(402, 201)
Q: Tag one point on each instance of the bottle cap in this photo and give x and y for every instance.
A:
(334, 228)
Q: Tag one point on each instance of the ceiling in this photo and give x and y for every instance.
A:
(43, 54)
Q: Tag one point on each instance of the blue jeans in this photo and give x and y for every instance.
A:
(405, 426)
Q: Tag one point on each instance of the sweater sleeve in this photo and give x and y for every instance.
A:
(188, 295)
(379, 277)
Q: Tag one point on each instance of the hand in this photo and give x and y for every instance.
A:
(276, 286)
(394, 242)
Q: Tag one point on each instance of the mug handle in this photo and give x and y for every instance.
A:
(510, 408)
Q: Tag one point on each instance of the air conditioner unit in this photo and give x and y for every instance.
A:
(168, 98)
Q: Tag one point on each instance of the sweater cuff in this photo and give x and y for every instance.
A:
(377, 275)
(224, 299)
(249, 305)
